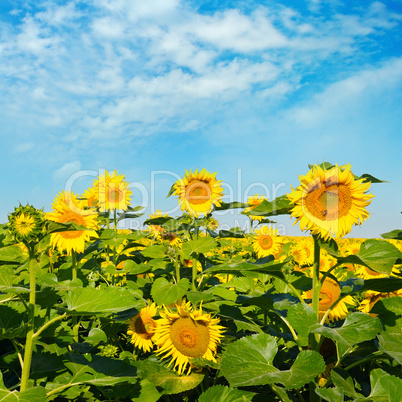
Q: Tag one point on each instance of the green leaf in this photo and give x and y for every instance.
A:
(384, 387)
(390, 342)
(154, 251)
(148, 392)
(165, 292)
(357, 328)
(379, 255)
(168, 380)
(279, 206)
(108, 300)
(307, 366)
(301, 317)
(342, 380)
(131, 267)
(394, 234)
(230, 205)
(249, 361)
(12, 321)
(384, 285)
(389, 304)
(236, 232)
(369, 178)
(220, 393)
(202, 245)
(330, 394)
(11, 253)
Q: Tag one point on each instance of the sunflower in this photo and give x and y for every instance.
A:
(266, 242)
(303, 251)
(113, 192)
(198, 192)
(156, 230)
(186, 334)
(371, 297)
(142, 328)
(26, 223)
(330, 202)
(329, 293)
(364, 272)
(73, 240)
(253, 201)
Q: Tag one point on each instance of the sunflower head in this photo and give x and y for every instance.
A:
(198, 192)
(266, 242)
(67, 208)
(111, 192)
(142, 327)
(25, 224)
(330, 201)
(185, 334)
(329, 294)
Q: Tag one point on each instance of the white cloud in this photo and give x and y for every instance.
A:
(347, 95)
(67, 170)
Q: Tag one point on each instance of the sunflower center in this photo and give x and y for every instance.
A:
(145, 328)
(329, 292)
(72, 217)
(198, 192)
(329, 203)
(115, 196)
(265, 242)
(190, 337)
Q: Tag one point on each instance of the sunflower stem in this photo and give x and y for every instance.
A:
(315, 338)
(31, 321)
(74, 264)
(194, 274)
(177, 266)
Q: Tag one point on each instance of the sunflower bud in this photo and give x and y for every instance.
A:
(25, 224)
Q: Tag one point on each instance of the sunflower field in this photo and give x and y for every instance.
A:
(183, 311)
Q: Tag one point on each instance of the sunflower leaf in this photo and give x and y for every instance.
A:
(379, 255)
(357, 328)
(249, 361)
(221, 393)
(394, 234)
(301, 317)
(165, 292)
(166, 380)
(279, 206)
(202, 245)
(11, 253)
(108, 300)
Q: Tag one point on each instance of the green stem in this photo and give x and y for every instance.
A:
(74, 264)
(194, 273)
(31, 321)
(177, 266)
(315, 338)
(316, 288)
(48, 324)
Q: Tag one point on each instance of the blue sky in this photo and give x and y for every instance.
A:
(252, 90)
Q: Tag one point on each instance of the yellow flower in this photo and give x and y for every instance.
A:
(156, 230)
(142, 328)
(329, 293)
(69, 209)
(371, 297)
(330, 202)
(186, 334)
(253, 201)
(198, 192)
(266, 242)
(112, 192)
(303, 251)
